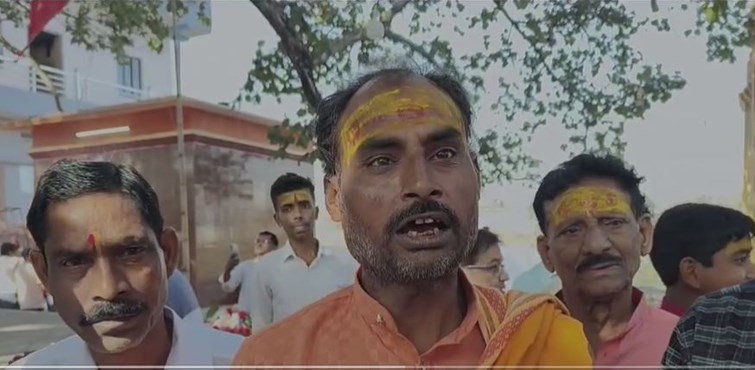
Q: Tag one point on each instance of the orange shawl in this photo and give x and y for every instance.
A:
(529, 330)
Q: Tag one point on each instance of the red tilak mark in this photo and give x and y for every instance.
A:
(90, 240)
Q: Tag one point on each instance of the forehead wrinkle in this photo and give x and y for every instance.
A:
(107, 216)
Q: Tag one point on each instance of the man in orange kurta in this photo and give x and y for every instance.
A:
(402, 179)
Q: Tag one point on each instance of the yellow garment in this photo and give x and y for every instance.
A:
(530, 330)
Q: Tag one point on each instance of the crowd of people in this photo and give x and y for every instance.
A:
(423, 285)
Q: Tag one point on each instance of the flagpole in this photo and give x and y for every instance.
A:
(183, 191)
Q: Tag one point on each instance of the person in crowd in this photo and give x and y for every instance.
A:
(10, 262)
(699, 249)
(596, 226)
(537, 280)
(241, 275)
(302, 271)
(718, 331)
(105, 255)
(182, 299)
(484, 264)
(401, 178)
(31, 292)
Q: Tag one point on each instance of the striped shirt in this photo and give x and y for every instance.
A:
(719, 330)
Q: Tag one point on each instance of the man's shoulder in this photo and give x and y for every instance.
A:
(302, 327)
(733, 303)
(64, 352)
(219, 343)
(341, 257)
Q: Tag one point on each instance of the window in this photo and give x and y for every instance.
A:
(130, 74)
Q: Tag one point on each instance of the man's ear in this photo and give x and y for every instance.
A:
(543, 249)
(332, 198)
(40, 267)
(317, 212)
(688, 273)
(646, 229)
(171, 249)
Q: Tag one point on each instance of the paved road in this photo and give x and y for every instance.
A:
(22, 331)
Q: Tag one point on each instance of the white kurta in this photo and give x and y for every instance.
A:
(193, 345)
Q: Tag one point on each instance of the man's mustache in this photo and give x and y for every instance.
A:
(597, 259)
(112, 310)
(418, 208)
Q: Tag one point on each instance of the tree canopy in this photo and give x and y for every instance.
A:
(571, 63)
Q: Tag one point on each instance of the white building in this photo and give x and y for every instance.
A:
(85, 79)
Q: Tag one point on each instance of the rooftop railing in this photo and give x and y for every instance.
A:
(73, 84)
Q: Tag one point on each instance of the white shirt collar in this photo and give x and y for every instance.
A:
(288, 252)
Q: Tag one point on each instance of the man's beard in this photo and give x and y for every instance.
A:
(375, 255)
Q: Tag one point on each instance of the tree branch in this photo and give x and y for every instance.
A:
(346, 41)
(293, 46)
(339, 45)
(500, 6)
(390, 35)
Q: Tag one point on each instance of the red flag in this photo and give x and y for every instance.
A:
(42, 12)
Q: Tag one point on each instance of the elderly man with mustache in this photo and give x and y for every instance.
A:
(401, 177)
(596, 225)
(105, 256)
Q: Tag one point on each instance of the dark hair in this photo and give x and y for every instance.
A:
(331, 108)
(288, 183)
(573, 171)
(486, 239)
(68, 179)
(7, 248)
(698, 231)
(273, 237)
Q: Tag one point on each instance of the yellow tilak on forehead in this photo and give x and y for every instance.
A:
(587, 201)
(295, 197)
(409, 104)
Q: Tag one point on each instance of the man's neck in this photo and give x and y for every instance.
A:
(305, 248)
(424, 313)
(602, 319)
(152, 351)
(680, 297)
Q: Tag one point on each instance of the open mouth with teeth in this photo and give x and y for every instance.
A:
(423, 227)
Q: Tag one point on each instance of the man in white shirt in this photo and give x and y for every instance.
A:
(31, 292)
(105, 256)
(242, 274)
(10, 263)
(301, 272)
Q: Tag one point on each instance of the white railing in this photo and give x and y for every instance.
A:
(72, 85)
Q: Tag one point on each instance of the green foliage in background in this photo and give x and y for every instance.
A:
(573, 63)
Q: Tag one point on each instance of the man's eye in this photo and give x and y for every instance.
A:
(569, 231)
(445, 154)
(71, 261)
(614, 222)
(132, 251)
(380, 162)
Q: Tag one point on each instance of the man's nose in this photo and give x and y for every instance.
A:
(418, 181)
(596, 240)
(750, 271)
(109, 280)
